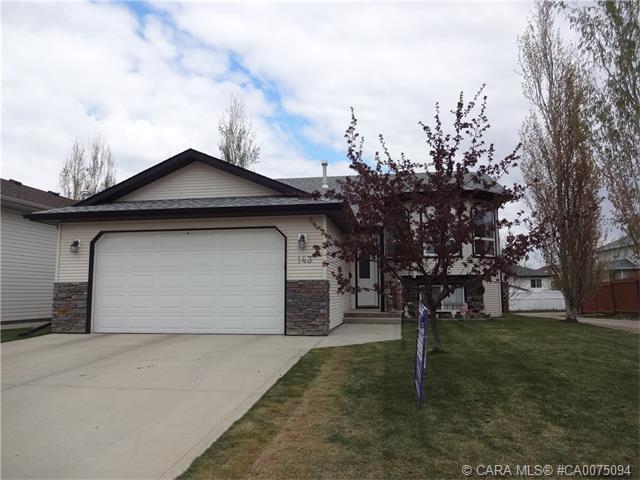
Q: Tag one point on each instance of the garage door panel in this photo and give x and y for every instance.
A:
(203, 303)
(215, 281)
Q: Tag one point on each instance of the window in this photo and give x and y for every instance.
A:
(453, 301)
(536, 283)
(620, 274)
(484, 233)
(389, 244)
(429, 250)
(364, 267)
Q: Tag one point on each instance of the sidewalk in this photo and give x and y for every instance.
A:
(615, 323)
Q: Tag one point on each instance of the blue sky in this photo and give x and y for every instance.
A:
(154, 79)
(293, 124)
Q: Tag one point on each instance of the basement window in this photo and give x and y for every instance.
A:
(452, 302)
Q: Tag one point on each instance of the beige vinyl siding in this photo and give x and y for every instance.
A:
(74, 267)
(338, 303)
(197, 180)
(492, 300)
(27, 257)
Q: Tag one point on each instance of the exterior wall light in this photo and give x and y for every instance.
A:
(302, 241)
(75, 246)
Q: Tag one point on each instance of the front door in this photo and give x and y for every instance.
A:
(367, 278)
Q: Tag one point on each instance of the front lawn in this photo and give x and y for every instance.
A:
(512, 391)
(9, 335)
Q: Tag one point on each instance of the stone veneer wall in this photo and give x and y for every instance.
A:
(393, 294)
(69, 313)
(307, 307)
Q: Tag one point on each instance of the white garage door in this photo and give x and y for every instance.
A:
(198, 281)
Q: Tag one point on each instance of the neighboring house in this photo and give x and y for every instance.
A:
(27, 252)
(619, 259)
(532, 289)
(195, 244)
(619, 289)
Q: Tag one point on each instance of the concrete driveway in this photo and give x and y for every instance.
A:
(615, 323)
(129, 406)
(137, 406)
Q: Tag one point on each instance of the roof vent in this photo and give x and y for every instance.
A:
(53, 193)
(15, 181)
(324, 174)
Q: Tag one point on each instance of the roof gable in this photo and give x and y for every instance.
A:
(177, 162)
(197, 180)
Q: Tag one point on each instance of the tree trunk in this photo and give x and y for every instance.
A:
(571, 312)
(436, 343)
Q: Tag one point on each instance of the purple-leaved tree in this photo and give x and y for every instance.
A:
(433, 221)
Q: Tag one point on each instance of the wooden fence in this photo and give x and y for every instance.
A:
(616, 296)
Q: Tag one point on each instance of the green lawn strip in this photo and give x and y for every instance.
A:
(9, 335)
(232, 455)
(515, 390)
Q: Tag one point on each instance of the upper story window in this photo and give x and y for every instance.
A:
(536, 283)
(429, 250)
(484, 233)
(389, 243)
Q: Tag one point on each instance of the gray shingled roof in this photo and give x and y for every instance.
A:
(312, 184)
(624, 241)
(520, 271)
(622, 264)
(13, 190)
(189, 203)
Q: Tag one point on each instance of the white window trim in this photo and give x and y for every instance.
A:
(464, 295)
(487, 239)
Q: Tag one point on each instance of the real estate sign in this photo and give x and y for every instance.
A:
(421, 352)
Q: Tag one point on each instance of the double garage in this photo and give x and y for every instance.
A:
(188, 281)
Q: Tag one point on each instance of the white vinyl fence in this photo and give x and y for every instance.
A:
(536, 301)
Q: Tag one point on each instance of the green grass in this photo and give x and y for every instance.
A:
(9, 335)
(516, 391)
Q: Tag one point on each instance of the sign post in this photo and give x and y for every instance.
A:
(421, 351)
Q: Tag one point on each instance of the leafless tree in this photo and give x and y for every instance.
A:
(87, 170)
(610, 38)
(558, 159)
(237, 136)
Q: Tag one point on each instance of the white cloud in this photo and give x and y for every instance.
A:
(391, 62)
(72, 70)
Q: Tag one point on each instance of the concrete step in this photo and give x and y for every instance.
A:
(371, 314)
(374, 320)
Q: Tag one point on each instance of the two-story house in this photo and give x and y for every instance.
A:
(195, 244)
